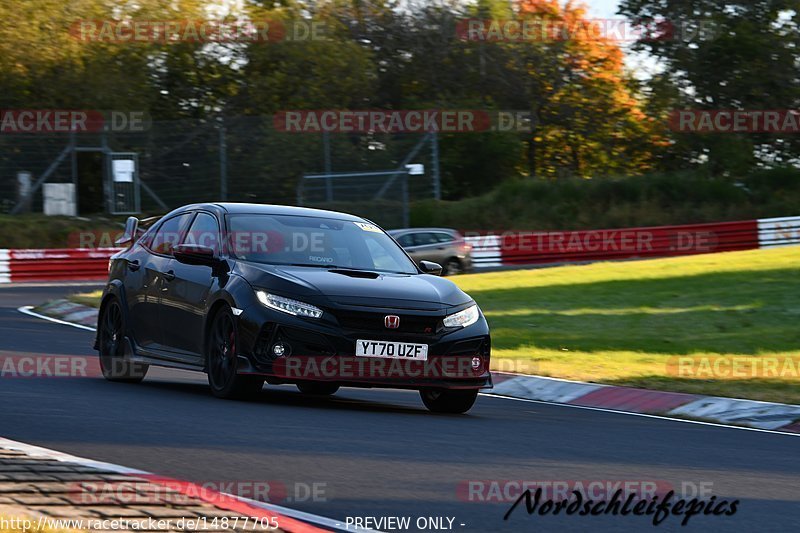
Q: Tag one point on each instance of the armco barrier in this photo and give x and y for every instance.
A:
(5, 269)
(55, 264)
(541, 247)
(778, 231)
(489, 249)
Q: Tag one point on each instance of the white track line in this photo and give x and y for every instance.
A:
(27, 310)
(643, 415)
(46, 453)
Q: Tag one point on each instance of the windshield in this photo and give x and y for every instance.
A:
(315, 242)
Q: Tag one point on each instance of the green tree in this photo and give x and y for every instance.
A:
(723, 54)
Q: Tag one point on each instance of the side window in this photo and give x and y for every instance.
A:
(423, 239)
(170, 233)
(204, 231)
(444, 237)
(406, 240)
(147, 238)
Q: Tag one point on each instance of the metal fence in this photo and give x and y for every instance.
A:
(243, 159)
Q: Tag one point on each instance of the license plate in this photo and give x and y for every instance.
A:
(392, 350)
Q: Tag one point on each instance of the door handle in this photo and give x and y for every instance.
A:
(169, 276)
(133, 265)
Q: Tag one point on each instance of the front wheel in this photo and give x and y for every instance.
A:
(452, 267)
(222, 360)
(318, 388)
(111, 332)
(448, 401)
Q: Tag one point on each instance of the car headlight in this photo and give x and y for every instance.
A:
(287, 305)
(463, 318)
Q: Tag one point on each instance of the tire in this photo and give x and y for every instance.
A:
(318, 388)
(452, 267)
(448, 401)
(222, 342)
(111, 335)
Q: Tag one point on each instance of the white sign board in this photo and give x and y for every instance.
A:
(123, 170)
(415, 169)
(59, 199)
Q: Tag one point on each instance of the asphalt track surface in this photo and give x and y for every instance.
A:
(379, 452)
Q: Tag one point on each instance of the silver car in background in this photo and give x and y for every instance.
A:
(440, 245)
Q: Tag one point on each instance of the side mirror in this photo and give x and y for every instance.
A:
(195, 254)
(130, 235)
(429, 267)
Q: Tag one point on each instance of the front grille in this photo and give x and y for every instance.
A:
(367, 321)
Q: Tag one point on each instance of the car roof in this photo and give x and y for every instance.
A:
(419, 230)
(269, 209)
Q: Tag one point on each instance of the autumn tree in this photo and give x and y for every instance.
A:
(590, 120)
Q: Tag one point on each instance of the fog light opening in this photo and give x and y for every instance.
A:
(477, 362)
(281, 349)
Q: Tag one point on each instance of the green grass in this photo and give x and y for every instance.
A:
(92, 299)
(623, 323)
(40, 231)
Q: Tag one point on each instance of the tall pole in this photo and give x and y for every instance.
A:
(74, 170)
(108, 173)
(223, 165)
(437, 179)
(326, 149)
(406, 220)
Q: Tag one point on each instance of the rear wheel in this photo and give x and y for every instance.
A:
(318, 388)
(448, 401)
(222, 360)
(111, 331)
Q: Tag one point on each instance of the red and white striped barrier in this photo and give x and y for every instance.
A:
(541, 247)
(67, 264)
(783, 231)
(488, 249)
(5, 267)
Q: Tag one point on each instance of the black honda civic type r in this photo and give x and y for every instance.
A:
(254, 293)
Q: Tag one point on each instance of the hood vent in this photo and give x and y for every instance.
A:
(355, 273)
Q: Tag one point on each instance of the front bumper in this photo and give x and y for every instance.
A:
(324, 350)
